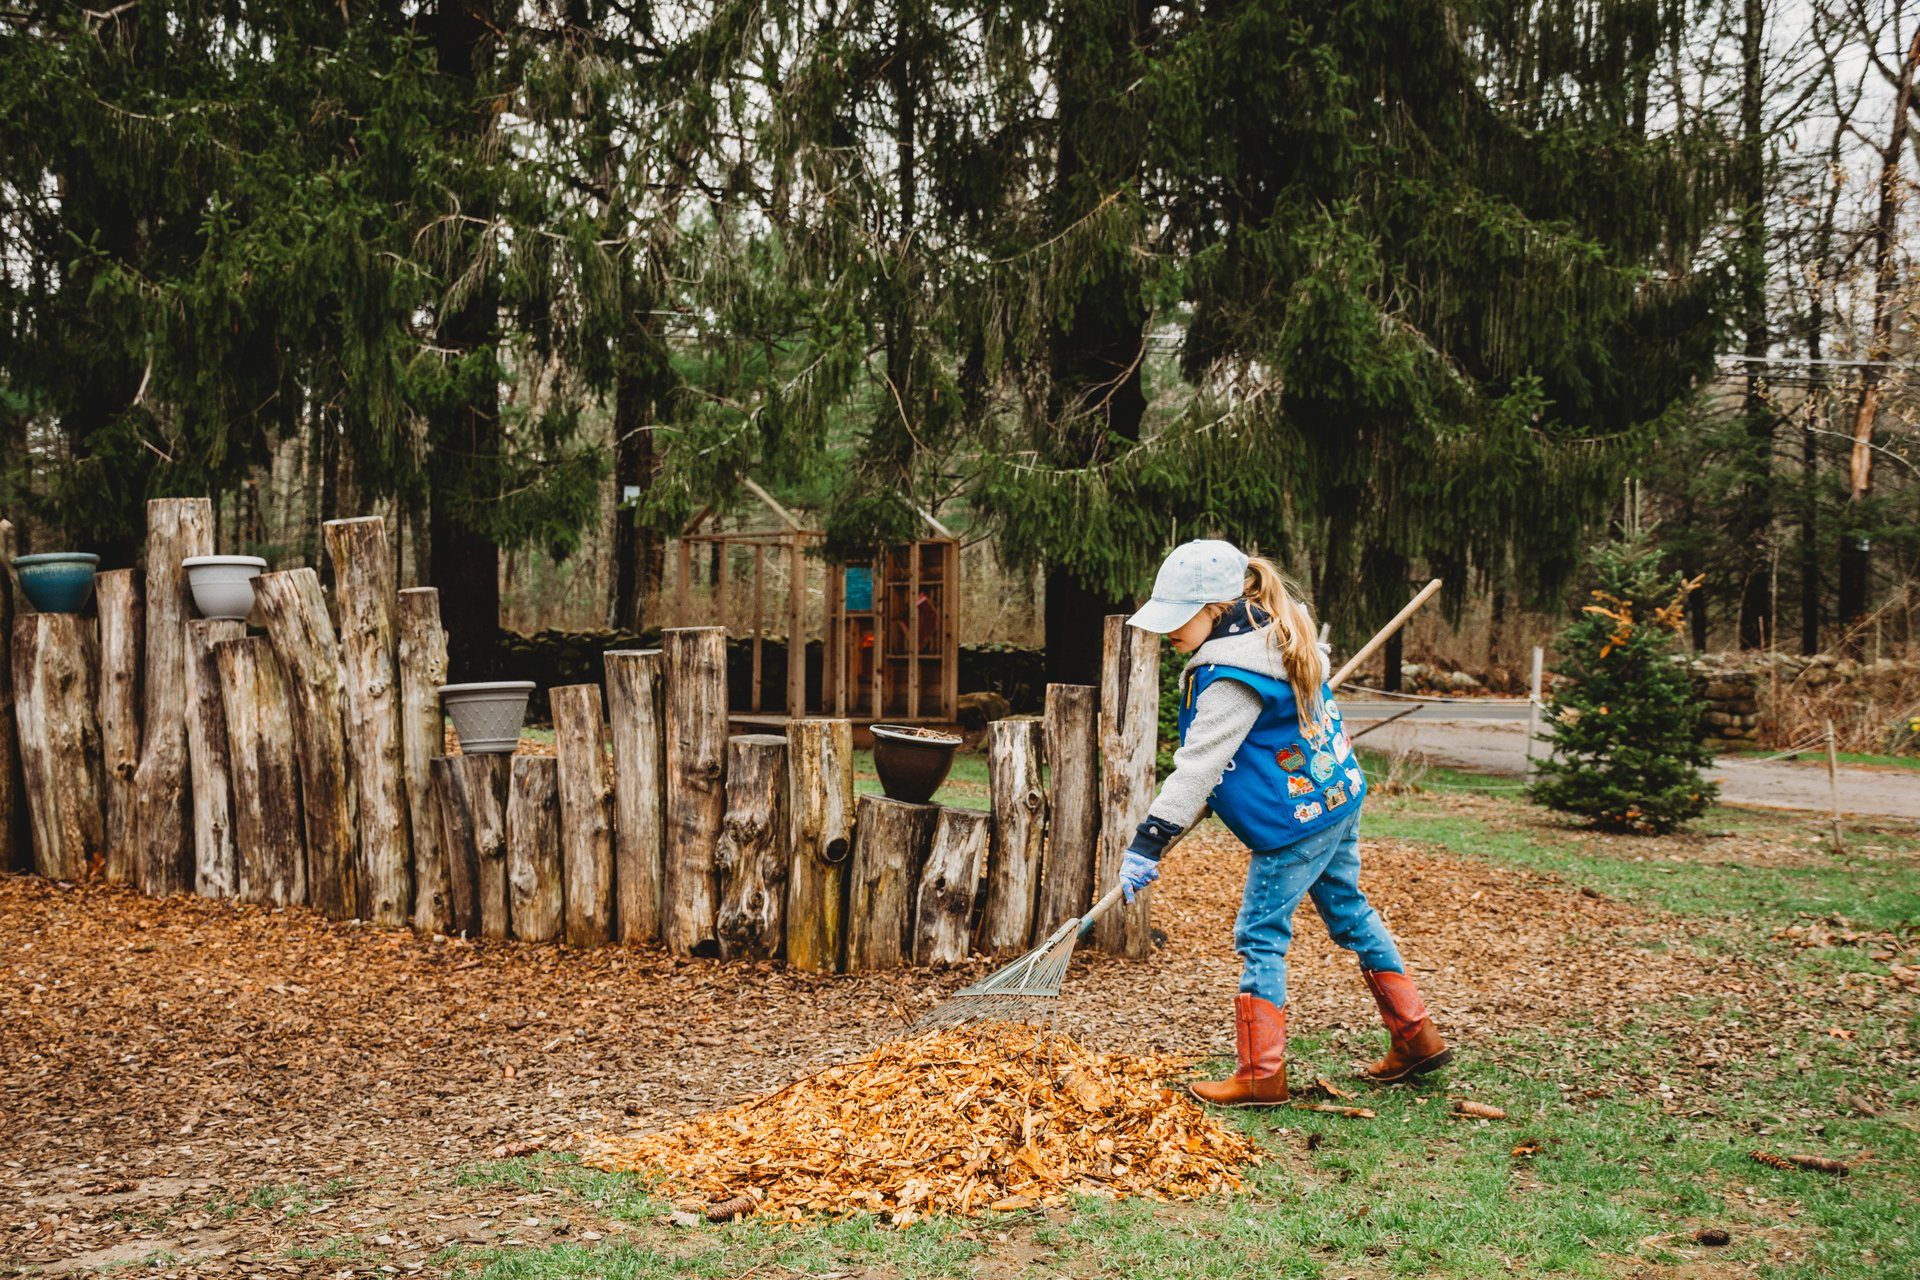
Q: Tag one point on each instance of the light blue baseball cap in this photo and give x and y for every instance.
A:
(1193, 576)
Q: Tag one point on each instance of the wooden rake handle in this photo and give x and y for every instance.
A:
(1380, 636)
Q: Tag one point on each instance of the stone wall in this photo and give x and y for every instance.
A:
(1732, 719)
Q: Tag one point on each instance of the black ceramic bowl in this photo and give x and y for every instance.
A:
(912, 763)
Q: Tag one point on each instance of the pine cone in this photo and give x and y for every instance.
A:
(728, 1210)
(1768, 1158)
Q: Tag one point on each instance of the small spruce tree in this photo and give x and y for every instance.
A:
(1626, 757)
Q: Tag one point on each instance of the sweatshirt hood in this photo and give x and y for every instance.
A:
(1252, 650)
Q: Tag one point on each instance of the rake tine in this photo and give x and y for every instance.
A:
(1024, 990)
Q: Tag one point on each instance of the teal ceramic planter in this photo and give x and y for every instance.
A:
(57, 581)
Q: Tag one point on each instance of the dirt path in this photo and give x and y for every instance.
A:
(182, 1072)
(1866, 790)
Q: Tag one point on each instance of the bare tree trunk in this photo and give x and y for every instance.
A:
(121, 626)
(1757, 485)
(176, 528)
(1855, 565)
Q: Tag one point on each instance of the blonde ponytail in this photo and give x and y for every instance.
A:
(1292, 632)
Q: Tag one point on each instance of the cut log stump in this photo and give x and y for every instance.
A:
(535, 880)
(216, 869)
(1129, 728)
(268, 831)
(820, 801)
(122, 632)
(55, 703)
(163, 841)
(473, 830)
(1019, 832)
(586, 813)
(423, 669)
(696, 731)
(636, 708)
(1073, 804)
(755, 849)
(943, 908)
(890, 843)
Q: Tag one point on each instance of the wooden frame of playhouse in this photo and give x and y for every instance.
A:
(304, 764)
(890, 652)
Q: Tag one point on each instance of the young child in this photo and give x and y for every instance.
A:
(1260, 740)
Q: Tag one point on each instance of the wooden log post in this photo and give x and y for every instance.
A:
(636, 705)
(820, 805)
(586, 813)
(695, 661)
(423, 669)
(473, 830)
(1019, 834)
(1129, 725)
(943, 908)
(122, 619)
(295, 613)
(176, 528)
(890, 843)
(15, 842)
(1072, 730)
(268, 833)
(216, 869)
(535, 882)
(55, 708)
(363, 578)
(756, 849)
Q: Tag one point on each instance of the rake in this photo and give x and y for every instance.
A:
(1024, 991)
(1027, 990)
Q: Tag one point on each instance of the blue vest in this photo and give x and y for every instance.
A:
(1282, 785)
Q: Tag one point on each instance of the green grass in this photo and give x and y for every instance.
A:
(1619, 1181)
(1818, 756)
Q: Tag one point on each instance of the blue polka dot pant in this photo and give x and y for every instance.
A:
(1326, 867)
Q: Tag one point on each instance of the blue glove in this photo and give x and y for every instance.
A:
(1137, 871)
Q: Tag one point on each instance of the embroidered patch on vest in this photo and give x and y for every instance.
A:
(1290, 758)
(1307, 812)
(1357, 778)
(1341, 748)
(1298, 784)
(1323, 765)
(1336, 795)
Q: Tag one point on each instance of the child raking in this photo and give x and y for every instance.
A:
(1261, 742)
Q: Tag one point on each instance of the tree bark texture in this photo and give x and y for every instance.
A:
(55, 700)
(696, 731)
(268, 830)
(216, 869)
(586, 813)
(176, 528)
(535, 880)
(423, 669)
(16, 844)
(363, 581)
(1019, 834)
(755, 849)
(1072, 731)
(820, 802)
(1129, 724)
(122, 618)
(636, 707)
(473, 830)
(295, 613)
(943, 907)
(890, 844)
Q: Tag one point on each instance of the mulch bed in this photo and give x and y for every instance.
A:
(168, 1058)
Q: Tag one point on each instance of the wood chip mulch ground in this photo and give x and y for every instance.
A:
(182, 1073)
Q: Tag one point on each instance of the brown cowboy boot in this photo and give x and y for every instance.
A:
(1260, 1042)
(1416, 1047)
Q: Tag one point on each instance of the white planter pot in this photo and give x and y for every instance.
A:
(223, 585)
(487, 716)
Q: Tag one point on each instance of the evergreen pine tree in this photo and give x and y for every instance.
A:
(1626, 757)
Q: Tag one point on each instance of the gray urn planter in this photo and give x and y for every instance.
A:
(222, 586)
(487, 716)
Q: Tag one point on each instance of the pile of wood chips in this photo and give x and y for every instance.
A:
(964, 1120)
